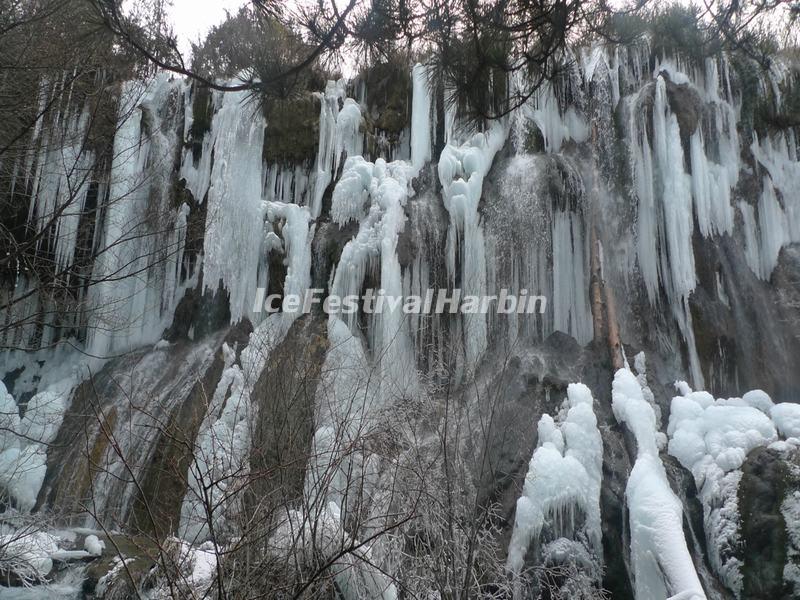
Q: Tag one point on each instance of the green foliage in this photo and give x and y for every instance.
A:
(677, 29)
(478, 65)
(625, 28)
(251, 44)
(292, 130)
(388, 86)
(673, 29)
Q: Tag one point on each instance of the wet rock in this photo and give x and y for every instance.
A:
(768, 476)
(687, 106)
(140, 553)
(157, 507)
(198, 314)
(285, 394)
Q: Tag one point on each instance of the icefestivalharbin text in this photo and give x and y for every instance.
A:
(378, 301)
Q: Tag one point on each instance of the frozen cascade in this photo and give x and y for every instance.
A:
(772, 224)
(544, 111)
(563, 479)
(571, 313)
(524, 209)
(676, 256)
(661, 562)
(713, 181)
(229, 179)
(61, 183)
(138, 260)
(56, 175)
(376, 194)
(255, 209)
(222, 447)
(666, 195)
(339, 136)
(461, 173)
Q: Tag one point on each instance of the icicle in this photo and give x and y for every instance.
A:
(338, 135)
(387, 186)
(126, 304)
(571, 312)
(420, 118)
(461, 173)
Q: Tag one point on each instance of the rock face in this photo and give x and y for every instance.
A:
(770, 478)
(107, 443)
(285, 394)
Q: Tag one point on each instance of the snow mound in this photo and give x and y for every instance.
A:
(563, 479)
(712, 438)
(93, 545)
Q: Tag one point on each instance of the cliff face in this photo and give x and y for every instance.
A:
(641, 197)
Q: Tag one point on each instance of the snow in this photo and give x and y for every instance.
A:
(661, 562)
(786, 417)
(23, 454)
(563, 480)
(790, 509)
(353, 568)
(93, 545)
(711, 438)
(27, 553)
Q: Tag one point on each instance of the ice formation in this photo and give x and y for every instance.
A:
(93, 545)
(137, 261)
(678, 177)
(712, 438)
(339, 137)
(661, 562)
(229, 179)
(376, 195)
(24, 441)
(563, 480)
(222, 447)
(420, 117)
(461, 173)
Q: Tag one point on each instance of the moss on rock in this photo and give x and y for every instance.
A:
(292, 130)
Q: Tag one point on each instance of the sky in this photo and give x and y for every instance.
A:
(193, 18)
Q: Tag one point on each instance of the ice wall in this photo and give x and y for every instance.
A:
(140, 235)
(462, 170)
(228, 178)
(712, 438)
